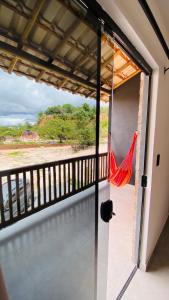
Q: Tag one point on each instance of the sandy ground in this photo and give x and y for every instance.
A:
(29, 156)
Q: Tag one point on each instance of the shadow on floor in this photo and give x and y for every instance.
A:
(160, 258)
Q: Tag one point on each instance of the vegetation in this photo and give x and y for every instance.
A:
(63, 124)
(15, 154)
(15, 131)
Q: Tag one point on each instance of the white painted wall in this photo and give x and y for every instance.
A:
(131, 19)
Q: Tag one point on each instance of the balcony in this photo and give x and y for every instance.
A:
(39, 252)
(25, 191)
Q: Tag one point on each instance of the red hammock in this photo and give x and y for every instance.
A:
(121, 175)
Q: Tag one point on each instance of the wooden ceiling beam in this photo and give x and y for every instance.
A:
(58, 59)
(82, 58)
(76, 89)
(116, 72)
(78, 14)
(61, 60)
(106, 62)
(91, 94)
(120, 76)
(126, 79)
(35, 13)
(122, 68)
(43, 65)
(66, 36)
(117, 50)
(73, 43)
(12, 65)
(40, 75)
(103, 65)
(27, 30)
(62, 83)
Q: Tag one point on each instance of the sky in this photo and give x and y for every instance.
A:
(22, 99)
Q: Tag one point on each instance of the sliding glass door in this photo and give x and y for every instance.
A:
(60, 251)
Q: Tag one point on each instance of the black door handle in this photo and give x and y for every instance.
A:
(106, 211)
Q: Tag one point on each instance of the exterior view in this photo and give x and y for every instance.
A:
(84, 186)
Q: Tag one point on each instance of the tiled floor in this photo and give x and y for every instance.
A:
(121, 234)
(154, 284)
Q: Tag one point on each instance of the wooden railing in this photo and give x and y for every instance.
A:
(27, 190)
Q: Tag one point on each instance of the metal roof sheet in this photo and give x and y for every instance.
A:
(51, 41)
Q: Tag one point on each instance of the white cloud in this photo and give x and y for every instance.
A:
(21, 97)
(16, 120)
(8, 121)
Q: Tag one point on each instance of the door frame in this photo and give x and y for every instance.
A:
(111, 28)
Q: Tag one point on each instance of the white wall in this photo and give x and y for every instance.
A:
(131, 19)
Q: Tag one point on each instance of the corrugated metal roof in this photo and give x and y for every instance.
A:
(51, 41)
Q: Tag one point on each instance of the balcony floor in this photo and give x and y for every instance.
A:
(153, 285)
(49, 255)
(33, 250)
(121, 236)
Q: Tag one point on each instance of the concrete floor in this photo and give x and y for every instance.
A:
(121, 235)
(51, 255)
(154, 284)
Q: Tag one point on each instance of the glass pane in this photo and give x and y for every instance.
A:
(51, 254)
(124, 112)
(107, 65)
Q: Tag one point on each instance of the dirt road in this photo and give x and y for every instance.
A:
(29, 156)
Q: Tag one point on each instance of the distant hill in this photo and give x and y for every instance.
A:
(64, 124)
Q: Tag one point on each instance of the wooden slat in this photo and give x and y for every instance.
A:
(38, 188)
(88, 173)
(27, 30)
(82, 181)
(10, 197)
(1, 203)
(60, 185)
(78, 175)
(17, 194)
(25, 192)
(94, 169)
(85, 172)
(64, 178)
(38, 6)
(125, 80)
(69, 178)
(54, 183)
(91, 172)
(40, 75)
(107, 166)
(73, 176)
(12, 65)
(44, 185)
(49, 183)
(32, 188)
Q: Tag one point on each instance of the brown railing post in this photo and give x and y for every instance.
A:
(1, 204)
(73, 176)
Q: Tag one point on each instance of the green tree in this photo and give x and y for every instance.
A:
(86, 135)
(57, 128)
